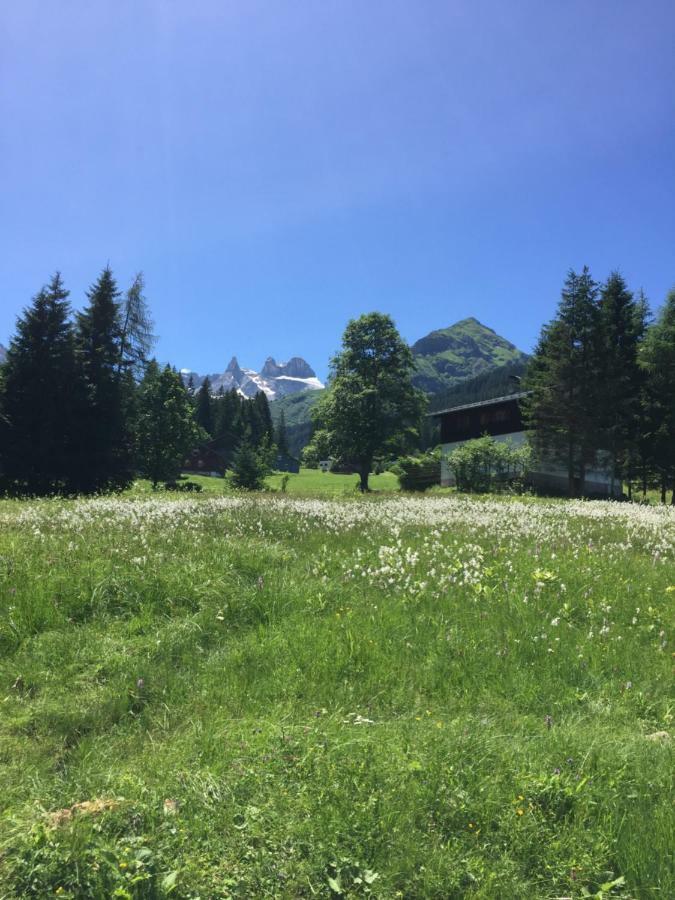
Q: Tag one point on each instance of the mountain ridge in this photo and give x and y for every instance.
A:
(275, 379)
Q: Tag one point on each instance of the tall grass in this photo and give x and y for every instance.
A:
(435, 697)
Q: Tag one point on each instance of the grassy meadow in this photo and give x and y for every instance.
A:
(285, 696)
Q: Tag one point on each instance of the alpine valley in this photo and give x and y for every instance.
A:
(464, 359)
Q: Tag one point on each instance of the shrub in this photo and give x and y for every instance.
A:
(487, 465)
(417, 473)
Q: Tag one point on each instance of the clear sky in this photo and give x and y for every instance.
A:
(276, 168)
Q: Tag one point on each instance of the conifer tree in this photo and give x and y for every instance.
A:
(105, 459)
(136, 335)
(658, 359)
(204, 407)
(249, 467)
(38, 428)
(562, 379)
(621, 325)
(281, 436)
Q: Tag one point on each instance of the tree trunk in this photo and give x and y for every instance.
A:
(570, 467)
(364, 472)
(663, 490)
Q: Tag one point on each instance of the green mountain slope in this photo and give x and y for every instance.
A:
(445, 357)
(297, 410)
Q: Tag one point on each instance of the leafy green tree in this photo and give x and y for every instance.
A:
(204, 407)
(38, 429)
(249, 468)
(371, 406)
(166, 429)
(317, 449)
(563, 380)
(105, 458)
(658, 360)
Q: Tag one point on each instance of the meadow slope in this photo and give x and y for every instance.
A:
(290, 697)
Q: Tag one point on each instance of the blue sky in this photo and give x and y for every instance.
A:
(276, 168)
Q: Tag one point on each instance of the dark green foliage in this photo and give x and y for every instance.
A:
(281, 438)
(621, 329)
(486, 465)
(204, 407)
(297, 410)
(371, 406)
(418, 473)
(166, 430)
(249, 468)
(105, 457)
(658, 362)
(38, 427)
(563, 380)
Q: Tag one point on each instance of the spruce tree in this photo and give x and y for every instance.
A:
(621, 329)
(281, 436)
(204, 407)
(106, 451)
(658, 360)
(249, 467)
(38, 428)
(563, 381)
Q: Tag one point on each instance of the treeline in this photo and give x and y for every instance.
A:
(601, 386)
(83, 407)
(229, 419)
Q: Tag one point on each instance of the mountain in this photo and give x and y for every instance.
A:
(274, 379)
(445, 357)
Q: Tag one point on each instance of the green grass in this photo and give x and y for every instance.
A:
(306, 483)
(287, 697)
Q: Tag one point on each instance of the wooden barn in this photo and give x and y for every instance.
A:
(502, 419)
(205, 460)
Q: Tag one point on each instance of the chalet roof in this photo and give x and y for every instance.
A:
(493, 401)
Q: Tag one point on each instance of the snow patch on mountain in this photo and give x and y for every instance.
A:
(275, 379)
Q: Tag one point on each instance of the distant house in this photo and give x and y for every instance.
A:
(284, 462)
(501, 418)
(205, 460)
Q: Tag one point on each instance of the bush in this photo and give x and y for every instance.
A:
(417, 473)
(487, 465)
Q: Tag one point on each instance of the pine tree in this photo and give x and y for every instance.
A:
(105, 459)
(204, 407)
(562, 378)
(281, 436)
(249, 468)
(38, 429)
(658, 359)
(621, 328)
(166, 430)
